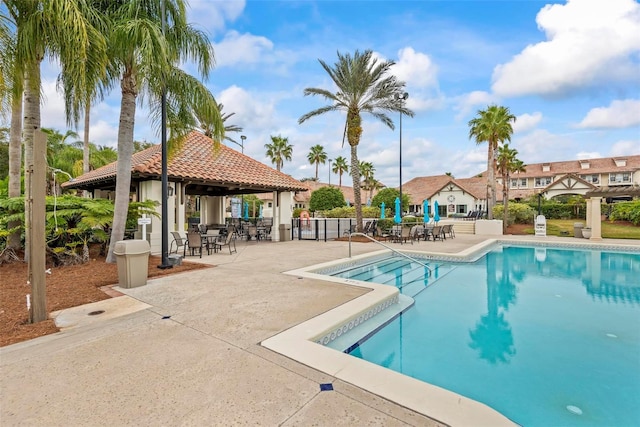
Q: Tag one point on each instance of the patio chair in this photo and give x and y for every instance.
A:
(405, 235)
(252, 233)
(471, 215)
(417, 231)
(229, 241)
(437, 233)
(194, 241)
(447, 230)
(178, 240)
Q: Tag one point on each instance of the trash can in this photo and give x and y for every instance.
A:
(577, 229)
(132, 257)
(285, 232)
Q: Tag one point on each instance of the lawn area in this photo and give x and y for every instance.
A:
(610, 230)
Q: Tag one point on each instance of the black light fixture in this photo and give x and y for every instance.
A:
(402, 97)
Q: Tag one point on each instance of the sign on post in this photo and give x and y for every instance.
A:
(144, 221)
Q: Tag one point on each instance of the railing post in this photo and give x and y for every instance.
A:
(325, 229)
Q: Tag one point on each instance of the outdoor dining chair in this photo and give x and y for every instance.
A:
(229, 241)
(179, 242)
(194, 241)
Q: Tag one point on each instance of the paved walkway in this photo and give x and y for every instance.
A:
(184, 350)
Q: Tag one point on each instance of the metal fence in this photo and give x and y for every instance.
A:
(321, 228)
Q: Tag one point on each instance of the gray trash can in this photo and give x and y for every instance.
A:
(577, 229)
(285, 232)
(132, 257)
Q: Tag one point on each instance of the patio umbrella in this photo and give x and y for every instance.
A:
(436, 217)
(260, 212)
(425, 210)
(246, 211)
(397, 219)
(382, 210)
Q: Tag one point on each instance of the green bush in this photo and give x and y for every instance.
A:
(296, 212)
(388, 196)
(326, 198)
(626, 211)
(519, 213)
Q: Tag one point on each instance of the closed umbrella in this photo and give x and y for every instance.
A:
(397, 219)
(425, 210)
(436, 217)
(260, 212)
(382, 206)
(246, 211)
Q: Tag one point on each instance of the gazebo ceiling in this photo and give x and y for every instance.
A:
(617, 191)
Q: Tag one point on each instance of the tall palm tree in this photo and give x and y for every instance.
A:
(316, 156)
(367, 170)
(146, 55)
(58, 28)
(493, 126)
(279, 150)
(228, 127)
(363, 86)
(340, 166)
(507, 162)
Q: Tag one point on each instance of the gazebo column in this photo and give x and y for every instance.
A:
(152, 190)
(180, 204)
(588, 213)
(593, 217)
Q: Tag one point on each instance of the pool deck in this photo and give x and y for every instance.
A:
(185, 349)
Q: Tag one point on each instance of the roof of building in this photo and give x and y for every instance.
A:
(198, 161)
(581, 167)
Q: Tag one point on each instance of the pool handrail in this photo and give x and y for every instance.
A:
(388, 247)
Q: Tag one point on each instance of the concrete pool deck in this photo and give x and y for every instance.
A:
(185, 349)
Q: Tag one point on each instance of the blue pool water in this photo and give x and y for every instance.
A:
(546, 336)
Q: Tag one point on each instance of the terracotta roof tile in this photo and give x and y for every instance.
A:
(197, 160)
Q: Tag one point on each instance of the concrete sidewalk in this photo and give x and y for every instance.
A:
(186, 350)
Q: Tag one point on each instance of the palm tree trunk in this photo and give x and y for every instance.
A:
(317, 163)
(123, 167)
(85, 145)
(31, 124)
(340, 179)
(355, 173)
(15, 163)
(491, 181)
(505, 201)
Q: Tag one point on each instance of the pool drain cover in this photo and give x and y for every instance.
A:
(95, 313)
(574, 409)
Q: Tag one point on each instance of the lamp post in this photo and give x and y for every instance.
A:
(243, 138)
(330, 160)
(402, 97)
(164, 177)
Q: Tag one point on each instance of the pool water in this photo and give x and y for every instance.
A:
(546, 336)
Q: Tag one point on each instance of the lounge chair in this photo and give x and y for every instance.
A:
(447, 229)
(541, 225)
(471, 215)
(178, 240)
(229, 241)
(437, 233)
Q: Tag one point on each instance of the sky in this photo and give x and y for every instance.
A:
(568, 70)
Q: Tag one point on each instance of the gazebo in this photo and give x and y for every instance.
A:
(197, 168)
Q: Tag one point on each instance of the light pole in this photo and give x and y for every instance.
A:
(402, 97)
(330, 160)
(243, 138)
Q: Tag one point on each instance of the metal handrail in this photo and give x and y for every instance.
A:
(388, 247)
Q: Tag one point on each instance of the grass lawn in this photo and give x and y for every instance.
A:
(610, 230)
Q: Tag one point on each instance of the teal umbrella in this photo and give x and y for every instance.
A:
(260, 213)
(436, 217)
(397, 218)
(425, 210)
(246, 211)
(382, 206)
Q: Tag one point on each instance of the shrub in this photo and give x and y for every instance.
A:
(326, 198)
(626, 211)
(519, 213)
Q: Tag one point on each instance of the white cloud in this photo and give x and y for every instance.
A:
(625, 148)
(52, 110)
(466, 103)
(415, 68)
(238, 48)
(587, 40)
(620, 114)
(526, 122)
(213, 14)
(582, 155)
(543, 146)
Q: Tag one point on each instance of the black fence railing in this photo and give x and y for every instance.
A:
(321, 228)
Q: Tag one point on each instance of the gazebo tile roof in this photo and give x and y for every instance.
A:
(199, 160)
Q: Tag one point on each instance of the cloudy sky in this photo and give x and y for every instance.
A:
(569, 71)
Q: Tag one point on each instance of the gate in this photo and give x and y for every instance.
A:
(321, 228)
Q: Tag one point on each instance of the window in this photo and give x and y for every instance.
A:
(461, 209)
(518, 183)
(543, 182)
(593, 179)
(523, 182)
(513, 183)
(618, 178)
(269, 205)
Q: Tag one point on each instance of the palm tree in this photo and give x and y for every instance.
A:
(146, 54)
(507, 162)
(59, 28)
(340, 166)
(227, 127)
(363, 86)
(493, 126)
(368, 181)
(317, 155)
(279, 150)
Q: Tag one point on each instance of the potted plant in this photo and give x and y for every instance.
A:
(586, 232)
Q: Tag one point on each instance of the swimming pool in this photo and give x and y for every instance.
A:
(544, 335)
